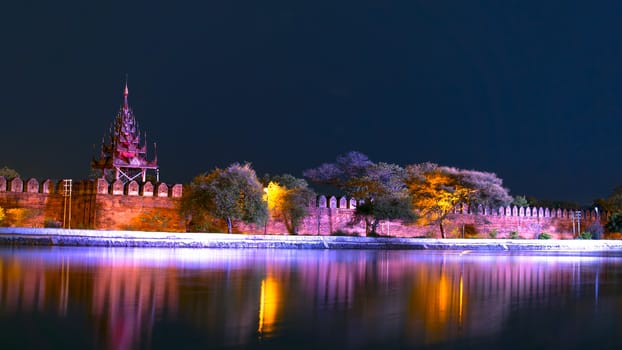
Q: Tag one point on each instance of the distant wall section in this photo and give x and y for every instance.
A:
(334, 215)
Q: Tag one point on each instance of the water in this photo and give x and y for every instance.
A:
(99, 298)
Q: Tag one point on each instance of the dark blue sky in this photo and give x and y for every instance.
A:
(530, 90)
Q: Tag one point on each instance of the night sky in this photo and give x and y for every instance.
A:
(529, 90)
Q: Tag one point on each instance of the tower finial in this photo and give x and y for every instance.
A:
(125, 93)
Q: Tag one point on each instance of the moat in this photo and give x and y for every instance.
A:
(127, 298)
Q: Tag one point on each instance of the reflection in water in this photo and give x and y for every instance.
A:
(128, 298)
(152, 298)
(268, 306)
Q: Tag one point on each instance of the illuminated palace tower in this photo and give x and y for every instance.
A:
(124, 154)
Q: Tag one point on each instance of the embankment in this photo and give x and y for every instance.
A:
(94, 238)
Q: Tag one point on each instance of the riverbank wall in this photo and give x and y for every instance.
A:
(329, 216)
(93, 238)
(96, 204)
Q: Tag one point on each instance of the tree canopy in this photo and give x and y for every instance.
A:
(8, 173)
(288, 200)
(378, 187)
(437, 190)
(613, 203)
(520, 201)
(233, 193)
(346, 174)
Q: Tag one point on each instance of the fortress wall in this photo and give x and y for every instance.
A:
(326, 221)
(93, 204)
(131, 206)
(112, 212)
(154, 207)
(30, 209)
(330, 215)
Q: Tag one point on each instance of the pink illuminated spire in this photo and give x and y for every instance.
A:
(125, 93)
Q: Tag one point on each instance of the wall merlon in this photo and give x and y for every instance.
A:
(32, 186)
(510, 211)
(352, 203)
(16, 185)
(47, 186)
(176, 191)
(98, 186)
(132, 188)
(162, 190)
(146, 189)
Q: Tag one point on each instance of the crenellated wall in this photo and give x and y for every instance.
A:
(93, 204)
(98, 204)
(332, 214)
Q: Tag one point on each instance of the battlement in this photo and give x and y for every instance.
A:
(148, 206)
(509, 211)
(99, 186)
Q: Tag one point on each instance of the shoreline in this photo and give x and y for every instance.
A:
(13, 236)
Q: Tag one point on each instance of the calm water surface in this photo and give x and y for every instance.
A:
(84, 298)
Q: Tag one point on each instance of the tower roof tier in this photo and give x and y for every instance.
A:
(124, 151)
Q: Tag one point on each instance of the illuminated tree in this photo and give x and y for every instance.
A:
(233, 193)
(347, 174)
(486, 188)
(288, 200)
(436, 191)
(379, 187)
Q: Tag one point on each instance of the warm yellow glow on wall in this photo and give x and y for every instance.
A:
(268, 306)
(17, 217)
(273, 195)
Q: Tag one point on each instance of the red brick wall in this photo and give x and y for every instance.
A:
(92, 206)
(324, 221)
(30, 209)
(93, 209)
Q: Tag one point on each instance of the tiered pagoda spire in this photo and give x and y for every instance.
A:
(124, 153)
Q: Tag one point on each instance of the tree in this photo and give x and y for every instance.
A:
(396, 206)
(230, 194)
(95, 174)
(8, 173)
(288, 200)
(437, 190)
(613, 203)
(378, 187)
(345, 173)
(486, 189)
(520, 201)
(615, 223)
